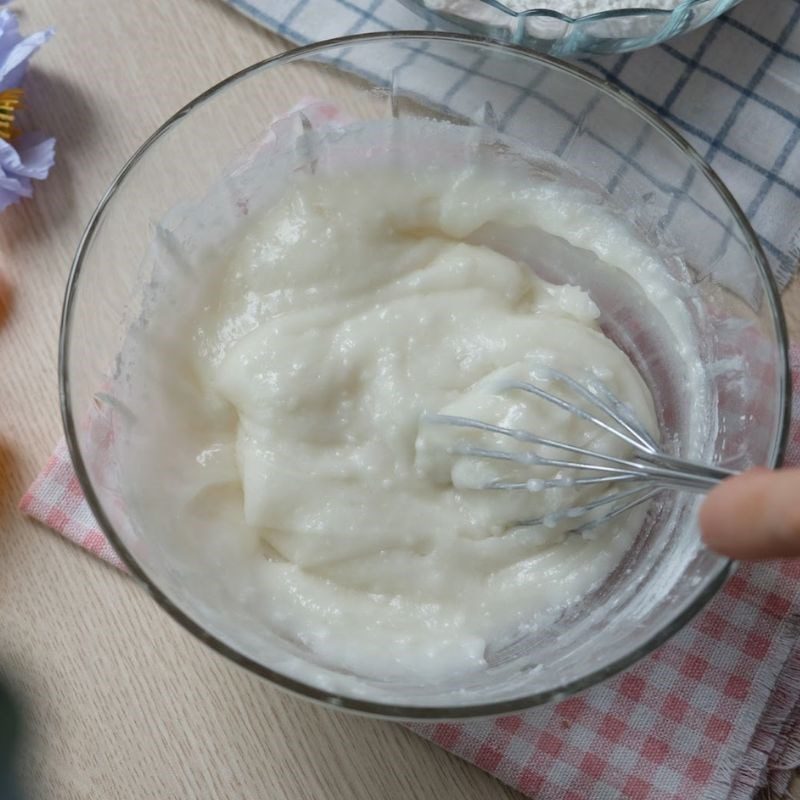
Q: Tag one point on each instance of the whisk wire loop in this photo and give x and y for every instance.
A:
(634, 479)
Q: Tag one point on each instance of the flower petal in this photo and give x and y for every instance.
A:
(9, 198)
(16, 187)
(14, 62)
(20, 186)
(9, 30)
(37, 155)
(33, 159)
(10, 36)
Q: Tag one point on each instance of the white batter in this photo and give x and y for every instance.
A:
(349, 309)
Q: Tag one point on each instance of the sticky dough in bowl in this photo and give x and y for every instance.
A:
(306, 524)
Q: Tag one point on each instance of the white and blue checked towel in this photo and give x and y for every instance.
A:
(731, 88)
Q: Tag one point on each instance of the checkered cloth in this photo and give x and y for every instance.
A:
(732, 88)
(714, 713)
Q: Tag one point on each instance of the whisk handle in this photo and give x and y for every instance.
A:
(683, 474)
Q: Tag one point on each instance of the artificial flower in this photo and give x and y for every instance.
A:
(24, 156)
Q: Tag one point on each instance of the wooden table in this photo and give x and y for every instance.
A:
(121, 702)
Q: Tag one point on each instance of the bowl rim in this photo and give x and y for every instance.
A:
(351, 703)
(591, 16)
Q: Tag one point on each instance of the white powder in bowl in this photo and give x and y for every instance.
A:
(580, 8)
(481, 12)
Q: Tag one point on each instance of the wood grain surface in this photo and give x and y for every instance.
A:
(120, 702)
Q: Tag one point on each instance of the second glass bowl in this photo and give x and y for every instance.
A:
(573, 36)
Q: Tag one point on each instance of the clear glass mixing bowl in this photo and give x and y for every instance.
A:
(566, 36)
(155, 219)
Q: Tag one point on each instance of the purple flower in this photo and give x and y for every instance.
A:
(27, 156)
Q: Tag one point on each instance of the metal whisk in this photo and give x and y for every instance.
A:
(634, 479)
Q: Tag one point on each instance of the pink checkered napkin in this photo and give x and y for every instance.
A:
(714, 713)
(57, 500)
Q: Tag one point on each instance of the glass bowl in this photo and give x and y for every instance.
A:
(559, 34)
(156, 219)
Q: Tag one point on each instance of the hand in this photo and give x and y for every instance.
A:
(755, 515)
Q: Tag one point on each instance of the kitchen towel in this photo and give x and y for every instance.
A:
(731, 88)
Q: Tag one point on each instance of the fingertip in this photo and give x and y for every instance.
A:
(755, 515)
(713, 513)
(720, 517)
